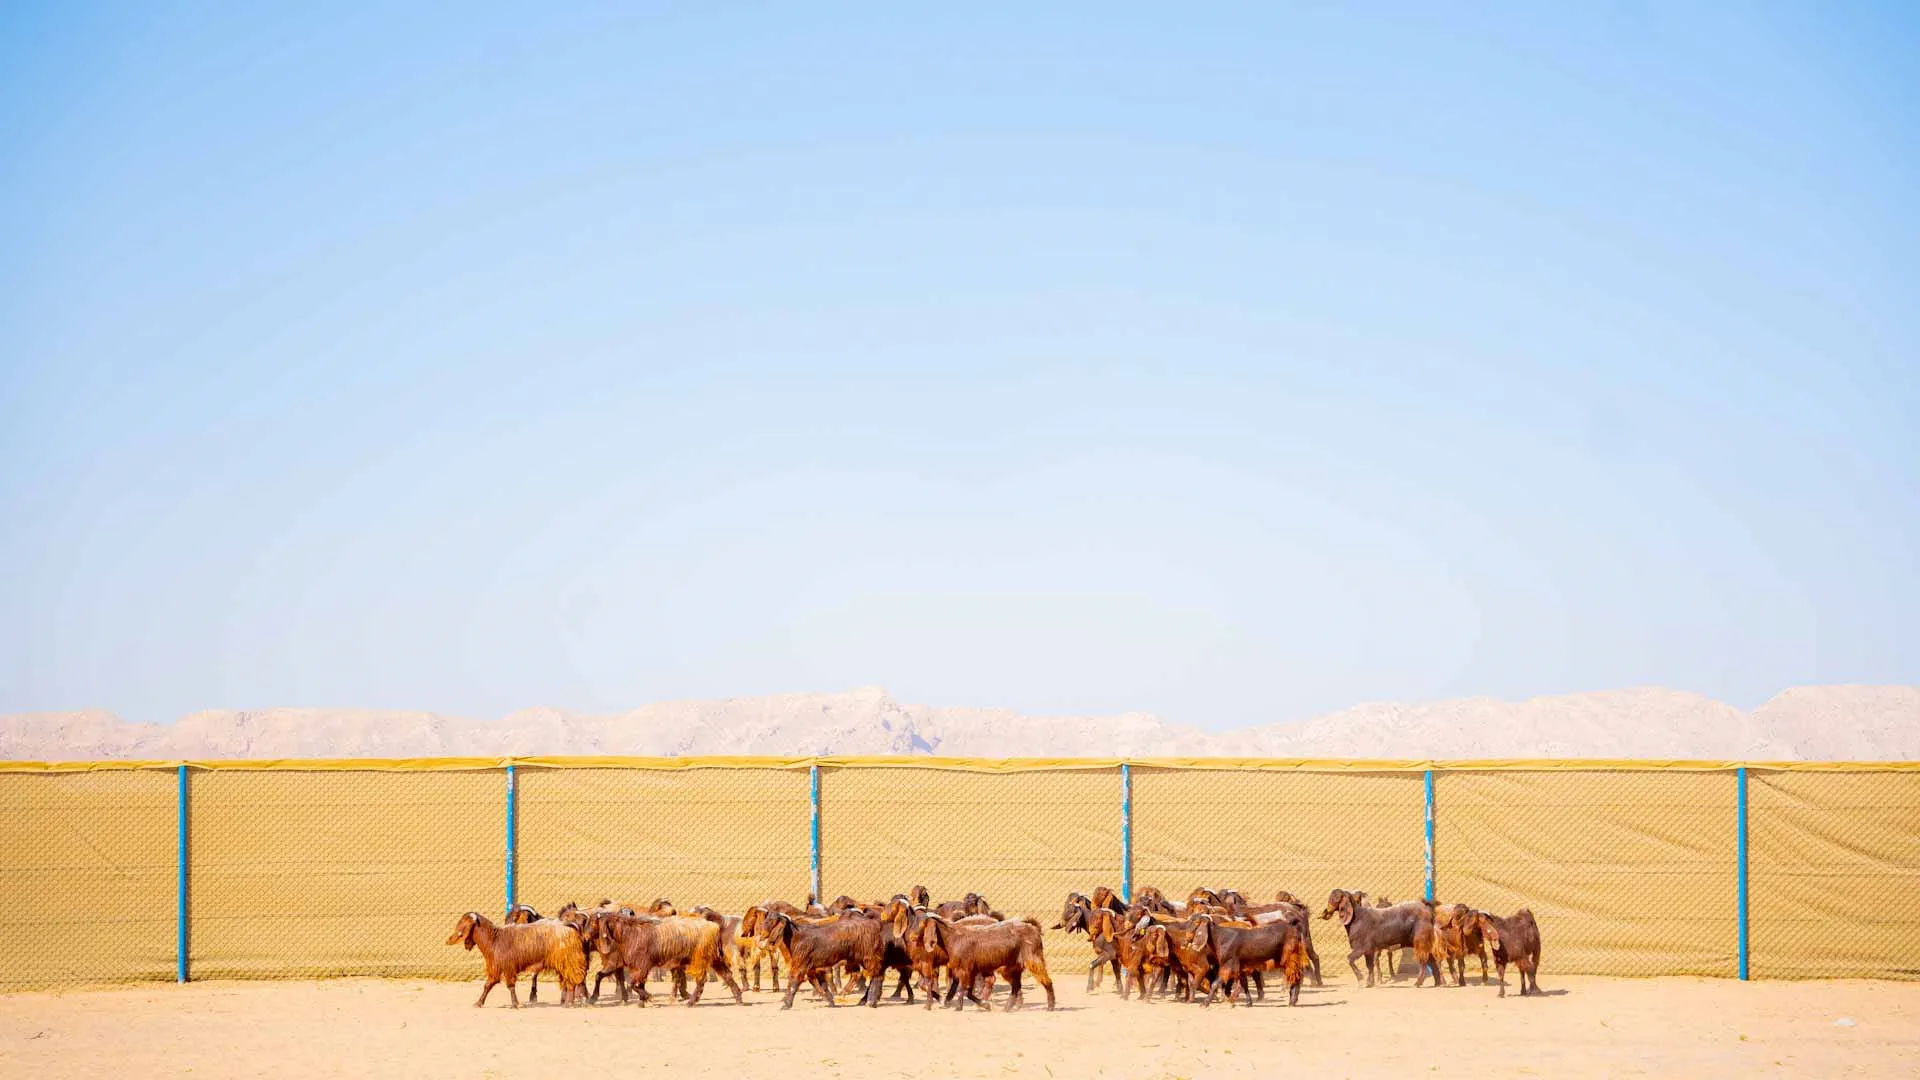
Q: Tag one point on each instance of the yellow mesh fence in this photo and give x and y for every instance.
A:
(87, 877)
(314, 869)
(312, 874)
(1260, 832)
(1833, 869)
(726, 838)
(1023, 840)
(1628, 873)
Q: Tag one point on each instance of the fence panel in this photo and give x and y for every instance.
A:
(1022, 839)
(325, 873)
(87, 857)
(725, 837)
(1834, 874)
(1628, 873)
(1261, 831)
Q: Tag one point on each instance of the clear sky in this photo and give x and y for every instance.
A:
(1236, 363)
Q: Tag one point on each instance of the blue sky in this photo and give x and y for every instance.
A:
(1237, 364)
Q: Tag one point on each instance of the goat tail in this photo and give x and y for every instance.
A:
(567, 959)
(1294, 961)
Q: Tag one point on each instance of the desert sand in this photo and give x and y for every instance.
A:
(390, 1029)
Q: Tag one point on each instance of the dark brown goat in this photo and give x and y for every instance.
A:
(972, 904)
(1077, 917)
(685, 945)
(1369, 930)
(510, 951)
(1284, 907)
(905, 923)
(1515, 939)
(814, 949)
(1240, 952)
(1009, 948)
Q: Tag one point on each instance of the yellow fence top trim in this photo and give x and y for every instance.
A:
(960, 764)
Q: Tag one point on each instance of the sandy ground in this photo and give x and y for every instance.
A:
(374, 1028)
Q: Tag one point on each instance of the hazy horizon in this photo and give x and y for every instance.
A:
(1223, 365)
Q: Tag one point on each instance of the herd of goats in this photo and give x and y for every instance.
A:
(1217, 942)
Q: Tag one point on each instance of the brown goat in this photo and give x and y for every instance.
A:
(1284, 907)
(906, 923)
(1240, 952)
(973, 904)
(1389, 956)
(1369, 930)
(1515, 938)
(1008, 948)
(690, 947)
(512, 950)
(1077, 916)
(1456, 936)
(1141, 946)
(754, 949)
(814, 949)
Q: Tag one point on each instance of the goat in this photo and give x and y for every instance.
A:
(1078, 916)
(905, 923)
(753, 949)
(690, 947)
(513, 949)
(1241, 952)
(1009, 948)
(609, 964)
(1515, 938)
(973, 904)
(1285, 906)
(729, 935)
(1153, 899)
(1389, 956)
(1456, 935)
(1141, 946)
(814, 949)
(1369, 930)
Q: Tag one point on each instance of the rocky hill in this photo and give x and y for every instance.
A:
(1819, 722)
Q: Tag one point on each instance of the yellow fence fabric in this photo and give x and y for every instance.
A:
(1260, 832)
(326, 868)
(1022, 840)
(87, 878)
(727, 838)
(1628, 873)
(1834, 874)
(314, 874)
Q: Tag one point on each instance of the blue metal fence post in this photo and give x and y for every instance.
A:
(1740, 844)
(180, 875)
(813, 832)
(1429, 834)
(513, 838)
(1126, 832)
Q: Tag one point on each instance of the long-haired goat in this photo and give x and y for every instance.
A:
(510, 951)
(1008, 948)
(813, 949)
(685, 945)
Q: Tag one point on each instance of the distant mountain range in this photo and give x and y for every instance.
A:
(1806, 723)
